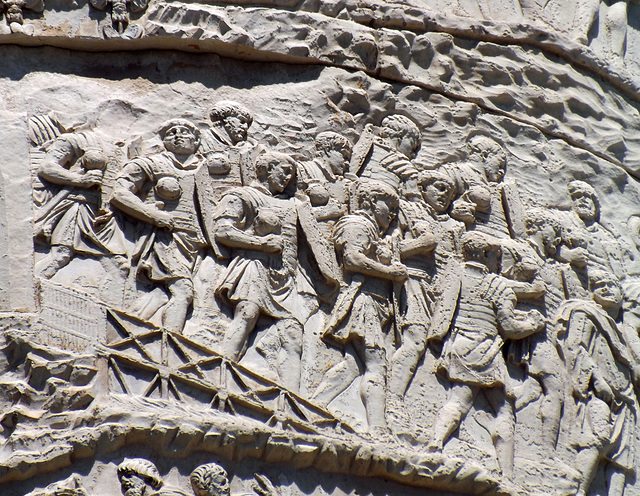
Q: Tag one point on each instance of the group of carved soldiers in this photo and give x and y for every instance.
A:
(140, 477)
(400, 256)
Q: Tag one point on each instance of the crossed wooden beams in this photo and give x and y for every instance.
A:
(155, 363)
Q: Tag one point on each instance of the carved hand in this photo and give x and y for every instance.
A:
(89, 179)
(538, 289)
(481, 196)
(536, 319)
(272, 243)
(464, 211)
(578, 257)
(398, 272)
(163, 219)
(427, 241)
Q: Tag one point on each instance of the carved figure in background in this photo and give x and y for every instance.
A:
(75, 220)
(388, 150)
(226, 145)
(363, 313)
(615, 23)
(14, 13)
(430, 242)
(211, 479)
(161, 192)
(484, 200)
(322, 179)
(71, 486)
(605, 408)
(257, 227)
(121, 26)
(472, 355)
(588, 243)
(140, 477)
(535, 262)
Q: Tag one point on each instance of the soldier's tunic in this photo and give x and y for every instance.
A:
(69, 217)
(538, 351)
(604, 250)
(472, 352)
(594, 348)
(167, 255)
(230, 164)
(363, 311)
(266, 279)
(384, 163)
(426, 282)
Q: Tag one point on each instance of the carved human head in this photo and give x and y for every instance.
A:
(233, 117)
(180, 136)
(605, 288)
(136, 474)
(437, 189)
(492, 156)
(210, 479)
(542, 224)
(482, 248)
(378, 199)
(275, 170)
(584, 200)
(335, 149)
(402, 133)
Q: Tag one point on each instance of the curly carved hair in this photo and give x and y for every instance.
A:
(142, 468)
(328, 140)
(178, 122)
(536, 218)
(368, 191)
(396, 125)
(210, 479)
(226, 108)
(486, 146)
(475, 244)
(577, 186)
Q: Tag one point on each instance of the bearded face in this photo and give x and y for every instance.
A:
(132, 485)
(584, 206)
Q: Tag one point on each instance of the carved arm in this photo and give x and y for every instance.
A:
(125, 198)
(354, 260)
(516, 324)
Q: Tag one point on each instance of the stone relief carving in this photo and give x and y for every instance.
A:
(14, 13)
(121, 25)
(377, 281)
(377, 258)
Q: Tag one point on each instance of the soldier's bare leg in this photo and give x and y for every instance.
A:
(617, 480)
(372, 387)
(616, 23)
(587, 460)
(175, 313)
(58, 257)
(551, 408)
(406, 358)
(337, 379)
(451, 414)
(585, 17)
(503, 429)
(290, 365)
(244, 321)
